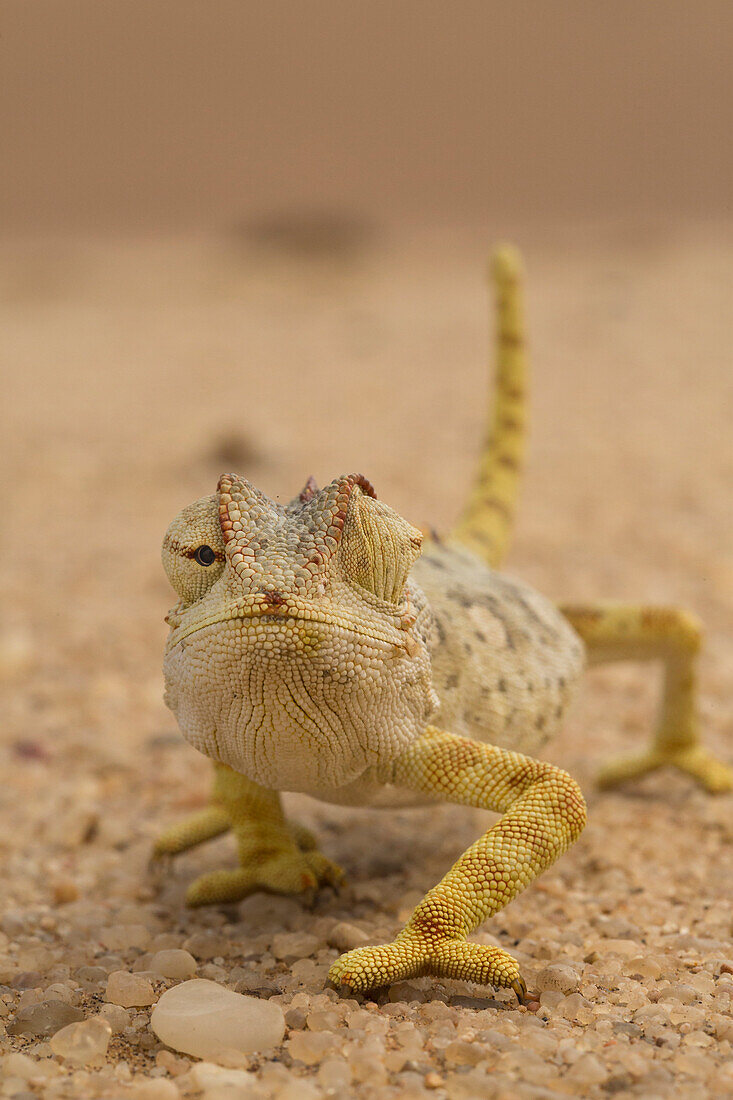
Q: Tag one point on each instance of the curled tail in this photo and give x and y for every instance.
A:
(486, 525)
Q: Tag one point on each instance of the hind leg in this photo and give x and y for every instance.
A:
(627, 632)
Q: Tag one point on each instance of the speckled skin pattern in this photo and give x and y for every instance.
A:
(313, 649)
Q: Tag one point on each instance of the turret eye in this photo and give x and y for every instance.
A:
(205, 555)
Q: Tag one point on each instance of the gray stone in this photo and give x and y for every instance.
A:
(44, 1019)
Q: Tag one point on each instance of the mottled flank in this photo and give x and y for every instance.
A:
(505, 661)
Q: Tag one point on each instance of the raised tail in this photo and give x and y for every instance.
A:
(486, 525)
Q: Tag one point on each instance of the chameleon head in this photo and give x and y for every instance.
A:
(298, 652)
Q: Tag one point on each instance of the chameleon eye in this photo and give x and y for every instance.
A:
(205, 555)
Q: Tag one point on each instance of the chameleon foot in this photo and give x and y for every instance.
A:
(712, 774)
(275, 855)
(411, 956)
(290, 871)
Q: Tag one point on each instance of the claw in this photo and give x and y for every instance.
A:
(520, 988)
(327, 873)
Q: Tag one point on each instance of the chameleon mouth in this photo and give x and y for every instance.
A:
(261, 610)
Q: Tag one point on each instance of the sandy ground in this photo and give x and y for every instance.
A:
(134, 373)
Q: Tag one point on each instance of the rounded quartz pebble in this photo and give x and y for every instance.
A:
(558, 978)
(129, 990)
(202, 1018)
(174, 963)
(84, 1042)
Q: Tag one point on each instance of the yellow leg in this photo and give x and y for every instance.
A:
(543, 813)
(623, 632)
(274, 856)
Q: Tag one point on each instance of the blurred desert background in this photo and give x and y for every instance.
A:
(254, 236)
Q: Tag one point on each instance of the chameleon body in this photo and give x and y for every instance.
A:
(319, 647)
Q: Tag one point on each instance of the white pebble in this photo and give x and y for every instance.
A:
(206, 1020)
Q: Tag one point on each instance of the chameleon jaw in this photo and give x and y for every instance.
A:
(264, 610)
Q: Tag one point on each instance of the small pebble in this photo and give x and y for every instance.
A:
(117, 1017)
(27, 979)
(558, 978)
(587, 1071)
(129, 990)
(83, 1042)
(44, 1019)
(20, 1065)
(460, 1053)
(291, 946)
(345, 937)
(172, 963)
(154, 1089)
(65, 890)
(323, 1020)
(334, 1076)
(210, 1078)
(682, 992)
(204, 1019)
(207, 945)
(295, 1018)
(311, 1047)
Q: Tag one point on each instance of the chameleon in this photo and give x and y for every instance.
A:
(328, 646)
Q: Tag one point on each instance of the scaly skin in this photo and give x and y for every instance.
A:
(311, 651)
(543, 814)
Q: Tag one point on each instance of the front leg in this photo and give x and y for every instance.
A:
(275, 856)
(543, 814)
